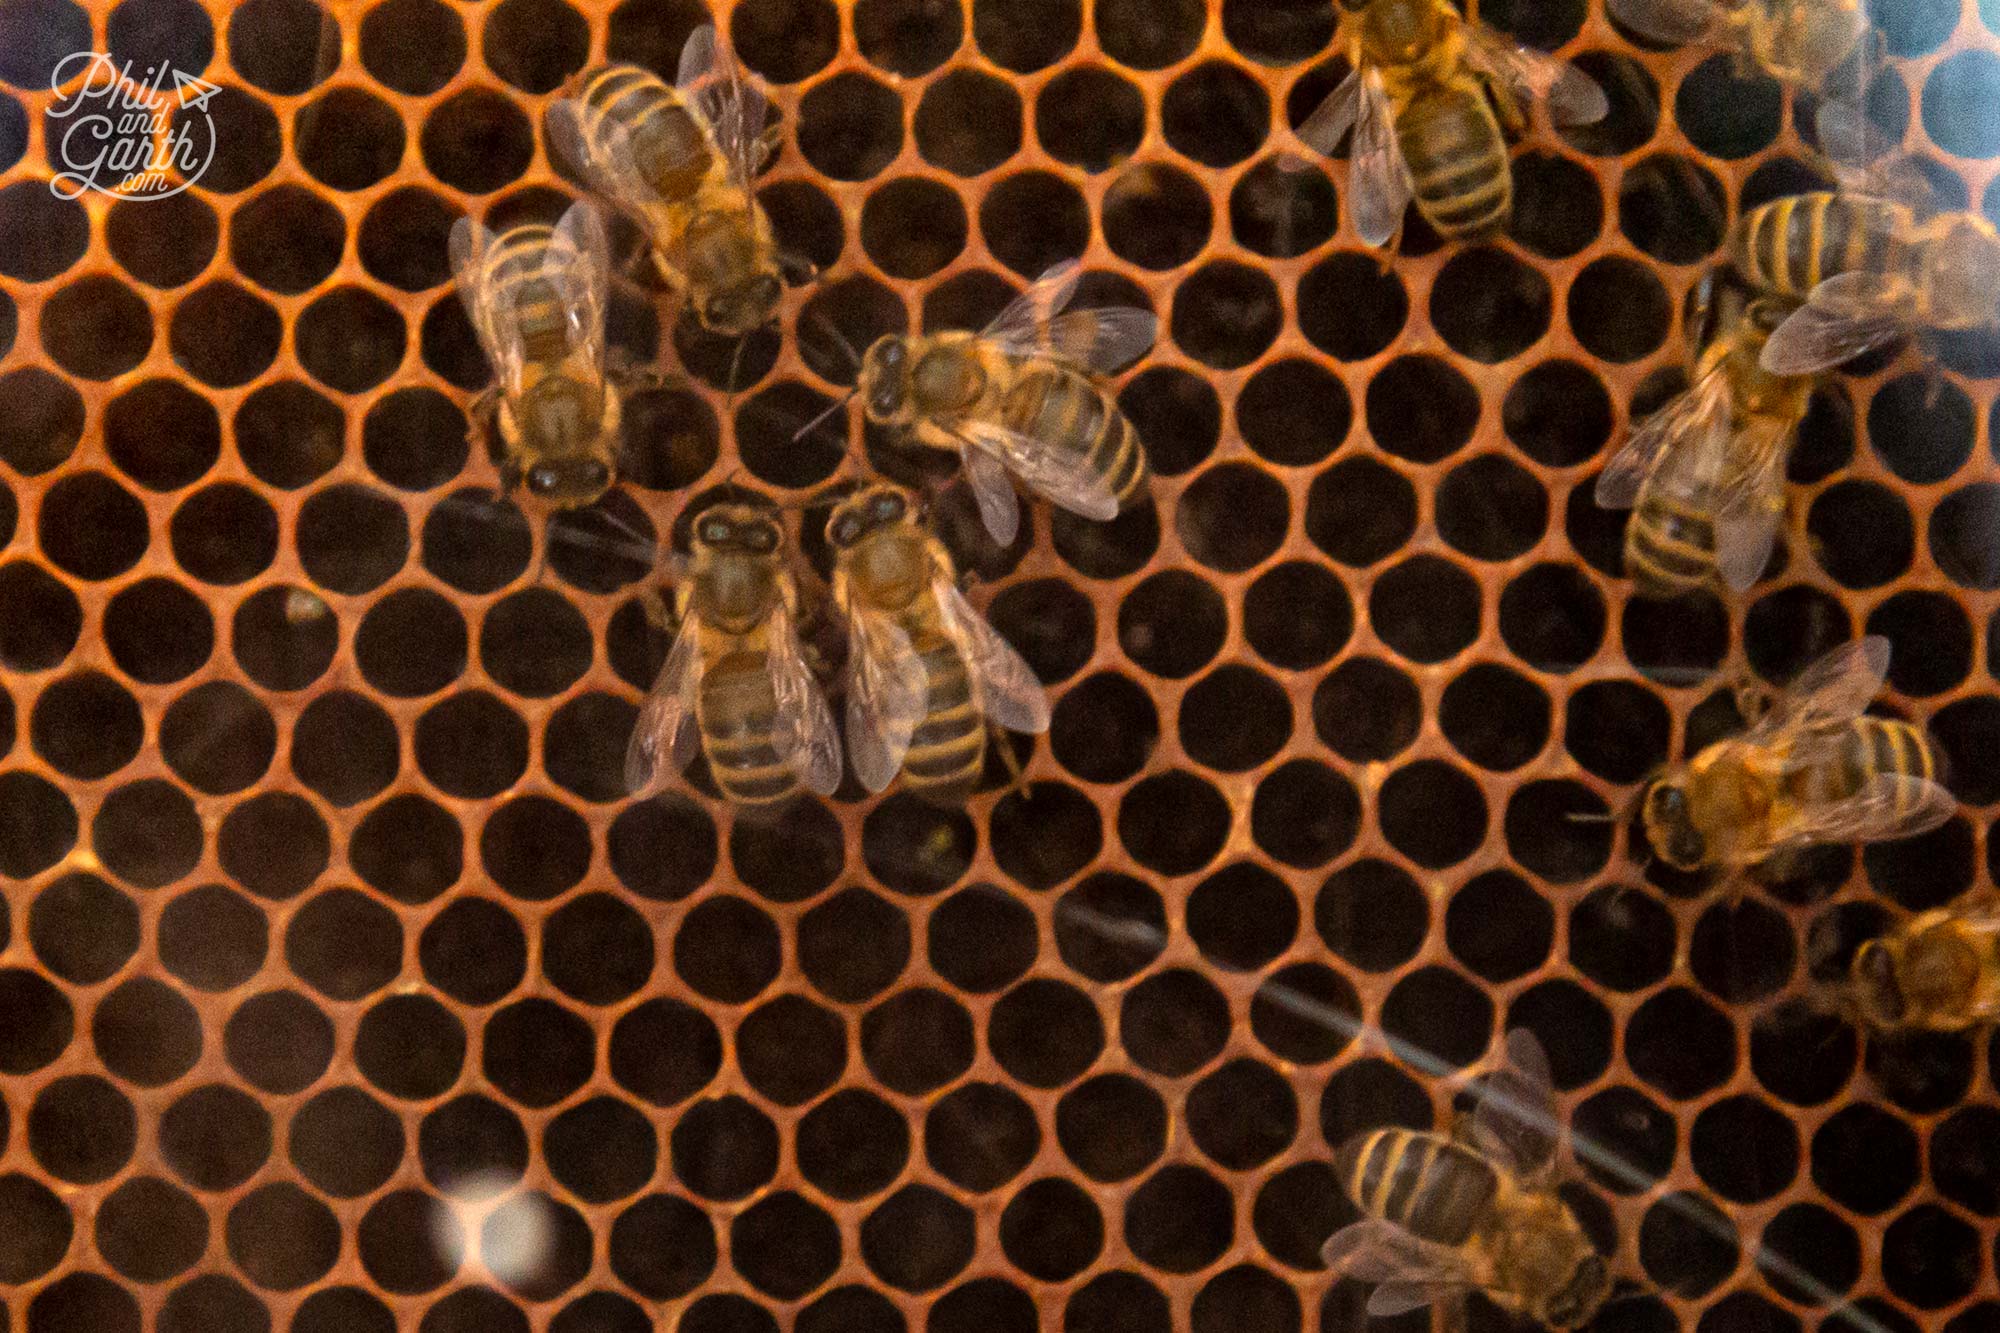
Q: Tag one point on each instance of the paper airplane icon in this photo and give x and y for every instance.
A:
(192, 91)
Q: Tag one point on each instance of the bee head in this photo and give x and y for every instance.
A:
(742, 308)
(1586, 1289)
(863, 512)
(885, 380)
(737, 528)
(558, 424)
(1669, 828)
(1877, 994)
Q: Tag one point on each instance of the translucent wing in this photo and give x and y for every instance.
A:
(1831, 691)
(733, 106)
(1049, 470)
(806, 739)
(993, 491)
(1378, 180)
(1331, 119)
(666, 727)
(605, 158)
(490, 309)
(1888, 806)
(1692, 420)
(1009, 691)
(1848, 314)
(1515, 1121)
(887, 693)
(1675, 22)
(1746, 521)
(1019, 327)
(1103, 340)
(580, 269)
(1573, 97)
(1375, 1250)
(1394, 1298)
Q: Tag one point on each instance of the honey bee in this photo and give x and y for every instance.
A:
(1432, 101)
(1477, 1209)
(681, 161)
(1018, 397)
(537, 297)
(1800, 42)
(736, 674)
(1812, 769)
(1939, 971)
(1705, 475)
(926, 673)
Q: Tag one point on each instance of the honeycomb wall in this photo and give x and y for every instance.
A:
(339, 974)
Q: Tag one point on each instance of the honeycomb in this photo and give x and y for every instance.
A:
(342, 988)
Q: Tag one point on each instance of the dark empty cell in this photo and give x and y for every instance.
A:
(37, 821)
(345, 1142)
(409, 1242)
(82, 1300)
(603, 547)
(1180, 1220)
(1051, 1230)
(1215, 114)
(918, 1239)
(1173, 823)
(1925, 871)
(287, 239)
(344, 944)
(223, 335)
(1438, 1011)
(1677, 643)
(1808, 1242)
(601, 1149)
(13, 135)
(663, 1247)
(915, 846)
(1491, 508)
(1680, 1043)
(1558, 829)
(968, 122)
(213, 938)
(1931, 640)
(345, 747)
(783, 40)
(474, 951)
(1787, 630)
(1923, 429)
(1420, 408)
(449, 346)
(248, 139)
(351, 339)
(1961, 1159)
(289, 435)
(402, 240)
(913, 227)
(1618, 309)
(274, 844)
(218, 738)
(1558, 205)
(727, 949)
(1367, 710)
(535, 44)
(907, 37)
(1090, 117)
(46, 420)
(1352, 307)
(1226, 314)
(1107, 550)
(329, 1310)
(1294, 412)
(1958, 98)
(1305, 814)
(472, 745)
(96, 328)
(81, 1129)
(981, 939)
(1617, 729)
(791, 857)
(596, 949)
(1824, 442)
(1425, 609)
(411, 1046)
(1051, 622)
(917, 1040)
(850, 127)
(1488, 305)
(784, 1245)
(1242, 917)
(1045, 833)
(1242, 1115)
(1360, 510)
(41, 234)
(724, 1148)
(1865, 1158)
(1282, 207)
(1963, 733)
(283, 46)
(854, 1144)
(92, 527)
(1498, 926)
(1727, 108)
(1672, 209)
(583, 746)
(1306, 1013)
(1172, 624)
(1173, 1022)
(791, 1050)
(349, 139)
(532, 642)
(409, 848)
(853, 945)
(1930, 1257)
(1634, 1137)
(678, 431)
(1687, 1245)
(40, 1021)
(1032, 220)
(1232, 517)
(1045, 1033)
(284, 637)
(215, 1137)
(86, 726)
(82, 929)
(766, 424)
(535, 848)
(412, 642)
(162, 434)
(416, 46)
(723, 1313)
(149, 33)
(1743, 1149)
(1234, 719)
(1861, 533)
(1112, 1126)
(477, 140)
(1110, 926)
(1965, 535)
(147, 833)
(1802, 1055)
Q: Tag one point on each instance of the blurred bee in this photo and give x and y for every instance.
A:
(681, 161)
(1938, 971)
(1801, 42)
(736, 674)
(1811, 769)
(537, 297)
(1432, 101)
(1477, 1209)
(926, 673)
(1018, 397)
(1705, 475)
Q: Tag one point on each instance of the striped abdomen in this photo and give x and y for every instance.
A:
(1065, 409)
(1669, 544)
(738, 713)
(1433, 1188)
(1869, 746)
(670, 146)
(1789, 246)
(1457, 158)
(516, 276)
(948, 747)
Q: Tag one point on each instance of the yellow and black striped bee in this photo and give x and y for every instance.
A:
(926, 674)
(1018, 397)
(681, 161)
(1939, 971)
(1811, 769)
(1432, 101)
(1800, 42)
(537, 297)
(1705, 475)
(1476, 1210)
(736, 674)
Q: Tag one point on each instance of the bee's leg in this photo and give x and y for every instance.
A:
(636, 376)
(1019, 776)
(1753, 699)
(479, 415)
(1513, 119)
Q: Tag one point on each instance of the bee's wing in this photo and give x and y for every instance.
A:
(1515, 1121)
(1889, 805)
(1019, 328)
(1692, 420)
(1674, 22)
(1573, 97)
(1009, 691)
(1832, 691)
(1049, 470)
(887, 693)
(733, 106)
(806, 739)
(666, 726)
(1746, 521)
(1330, 121)
(993, 492)
(1107, 339)
(580, 269)
(1377, 1250)
(1394, 1298)
(1846, 315)
(498, 332)
(604, 157)
(1378, 178)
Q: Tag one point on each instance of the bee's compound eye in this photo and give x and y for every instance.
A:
(845, 529)
(544, 479)
(763, 538)
(892, 355)
(887, 505)
(715, 530)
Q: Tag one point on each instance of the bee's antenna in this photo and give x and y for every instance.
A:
(839, 339)
(833, 407)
